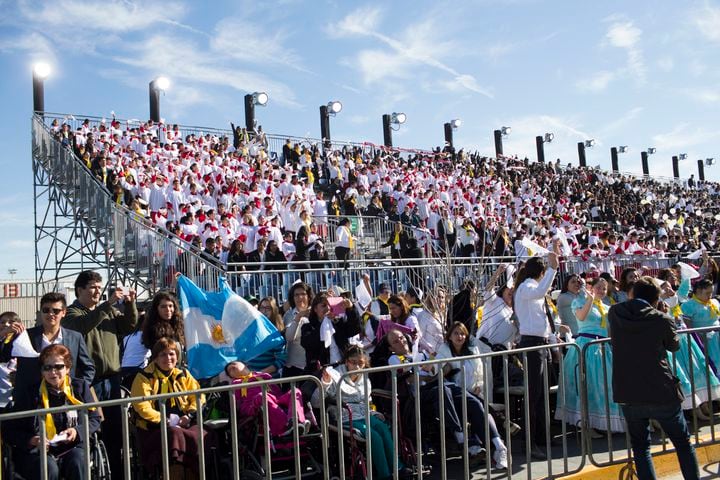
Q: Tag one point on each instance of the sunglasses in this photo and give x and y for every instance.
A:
(57, 367)
(54, 311)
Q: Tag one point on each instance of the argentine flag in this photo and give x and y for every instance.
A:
(221, 327)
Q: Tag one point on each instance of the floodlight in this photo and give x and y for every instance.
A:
(505, 130)
(709, 161)
(398, 118)
(260, 98)
(42, 69)
(589, 143)
(162, 83)
(334, 107)
(623, 149)
(549, 137)
(651, 150)
(682, 156)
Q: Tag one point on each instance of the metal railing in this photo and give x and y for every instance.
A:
(242, 450)
(137, 253)
(698, 382)
(406, 400)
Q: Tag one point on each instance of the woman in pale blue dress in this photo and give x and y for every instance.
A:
(682, 366)
(704, 311)
(592, 325)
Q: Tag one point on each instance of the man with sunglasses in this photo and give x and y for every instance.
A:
(49, 332)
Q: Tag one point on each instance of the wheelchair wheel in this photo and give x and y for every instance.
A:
(99, 461)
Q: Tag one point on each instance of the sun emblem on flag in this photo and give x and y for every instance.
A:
(217, 334)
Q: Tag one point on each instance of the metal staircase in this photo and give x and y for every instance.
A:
(78, 227)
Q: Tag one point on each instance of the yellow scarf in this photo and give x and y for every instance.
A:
(67, 390)
(166, 384)
(714, 311)
(676, 311)
(396, 240)
(244, 379)
(479, 316)
(603, 312)
(351, 240)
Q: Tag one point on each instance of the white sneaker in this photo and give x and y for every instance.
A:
(475, 450)
(500, 457)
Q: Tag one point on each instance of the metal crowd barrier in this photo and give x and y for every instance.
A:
(321, 275)
(501, 403)
(239, 448)
(614, 448)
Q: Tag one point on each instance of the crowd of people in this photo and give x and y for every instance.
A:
(328, 334)
(234, 199)
(243, 206)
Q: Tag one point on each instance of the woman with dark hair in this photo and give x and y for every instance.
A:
(571, 288)
(400, 313)
(164, 319)
(628, 277)
(459, 343)
(532, 284)
(497, 326)
(66, 454)
(183, 433)
(592, 314)
(299, 297)
(327, 334)
(236, 260)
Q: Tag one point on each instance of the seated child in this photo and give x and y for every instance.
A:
(249, 399)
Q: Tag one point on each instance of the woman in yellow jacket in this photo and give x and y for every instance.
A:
(162, 376)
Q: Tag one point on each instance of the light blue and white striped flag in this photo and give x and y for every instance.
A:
(221, 327)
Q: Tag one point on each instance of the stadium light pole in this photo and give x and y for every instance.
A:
(326, 111)
(160, 84)
(252, 99)
(644, 160)
(388, 121)
(449, 127)
(499, 134)
(540, 142)
(701, 167)
(676, 164)
(581, 151)
(614, 156)
(40, 72)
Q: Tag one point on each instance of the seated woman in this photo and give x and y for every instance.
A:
(459, 344)
(162, 376)
(397, 346)
(326, 334)
(354, 392)
(273, 360)
(249, 400)
(66, 456)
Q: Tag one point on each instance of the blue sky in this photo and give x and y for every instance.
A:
(641, 73)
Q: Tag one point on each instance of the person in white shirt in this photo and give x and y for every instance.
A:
(344, 243)
(533, 283)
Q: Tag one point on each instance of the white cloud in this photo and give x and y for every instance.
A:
(243, 40)
(105, 16)
(703, 95)
(666, 64)
(186, 61)
(418, 45)
(625, 35)
(684, 136)
(598, 82)
(34, 44)
(621, 121)
(707, 20)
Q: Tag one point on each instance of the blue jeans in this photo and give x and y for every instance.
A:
(672, 421)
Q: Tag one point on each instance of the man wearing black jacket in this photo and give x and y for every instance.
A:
(643, 382)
